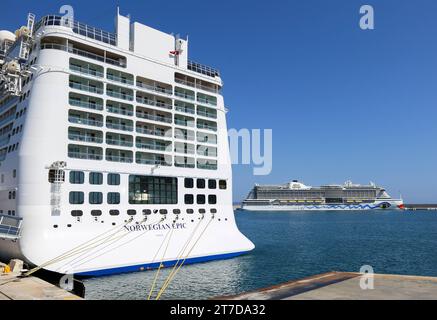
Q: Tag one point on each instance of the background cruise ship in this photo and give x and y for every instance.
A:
(113, 150)
(296, 196)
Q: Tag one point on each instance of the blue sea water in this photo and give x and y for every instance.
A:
(295, 245)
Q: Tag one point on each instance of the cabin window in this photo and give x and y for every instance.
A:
(113, 198)
(113, 179)
(96, 213)
(200, 184)
(189, 199)
(96, 178)
(212, 184)
(147, 212)
(114, 212)
(77, 177)
(189, 183)
(212, 199)
(96, 197)
(223, 185)
(77, 213)
(77, 197)
(201, 199)
(131, 212)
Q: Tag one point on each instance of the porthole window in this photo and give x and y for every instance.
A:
(190, 211)
(77, 213)
(201, 199)
(113, 179)
(212, 199)
(189, 183)
(177, 211)
(77, 177)
(131, 212)
(213, 210)
(189, 199)
(202, 211)
(147, 212)
(212, 184)
(223, 185)
(96, 213)
(201, 183)
(96, 198)
(77, 197)
(163, 211)
(114, 212)
(113, 198)
(96, 178)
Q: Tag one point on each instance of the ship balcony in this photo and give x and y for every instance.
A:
(206, 112)
(206, 125)
(155, 86)
(115, 139)
(197, 83)
(87, 102)
(153, 115)
(154, 130)
(185, 94)
(152, 144)
(154, 101)
(119, 108)
(184, 121)
(83, 135)
(208, 100)
(153, 159)
(5, 141)
(10, 227)
(86, 85)
(184, 162)
(120, 77)
(119, 93)
(122, 156)
(184, 148)
(85, 152)
(7, 119)
(119, 124)
(206, 138)
(184, 107)
(183, 134)
(85, 118)
(207, 164)
(207, 151)
(85, 68)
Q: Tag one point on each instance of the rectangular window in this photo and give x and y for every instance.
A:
(96, 197)
(189, 199)
(113, 179)
(189, 183)
(212, 184)
(223, 185)
(96, 178)
(212, 199)
(76, 197)
(77, 177)
(201, 199)
(152, 190)
(113, 198)
(200, 183)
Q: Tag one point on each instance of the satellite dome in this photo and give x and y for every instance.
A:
(6, 35)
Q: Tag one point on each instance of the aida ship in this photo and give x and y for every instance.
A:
(296, 196)
(113, 150)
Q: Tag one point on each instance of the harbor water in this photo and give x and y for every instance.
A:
(296, 245)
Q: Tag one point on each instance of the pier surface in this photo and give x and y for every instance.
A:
(31, 288)
(346, 286)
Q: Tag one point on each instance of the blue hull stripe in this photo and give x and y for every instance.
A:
(151, 266)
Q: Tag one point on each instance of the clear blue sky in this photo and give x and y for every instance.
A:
(343, 103)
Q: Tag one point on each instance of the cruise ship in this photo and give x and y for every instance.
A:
(296, 196)
(114, 154)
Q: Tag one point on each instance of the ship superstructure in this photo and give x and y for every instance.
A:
(296, 196)
(111, 132)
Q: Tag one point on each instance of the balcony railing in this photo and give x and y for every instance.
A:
(207, 114)
(184, 165)
(120, 79)
(119, 142)
(119, 126)
(151, 146)
(88, 122)
(153, 162)
(207, 101)
(83, 53)
(122, 159)
(206, 127)
(84, 138)
(86, 71)
(118, 110)
(154, 103)
(87, 88)
(84, 155)
(184, 123)
(207, 166)
(184, 96)
(154, 118)
(157, 133)
(168, 92)
(185, 109)
(120, 95)
(85, 104)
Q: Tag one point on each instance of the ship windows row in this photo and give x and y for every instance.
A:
(95, 178)
(146, 212)
(200, 199)
(78, 197)
(201, 184)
